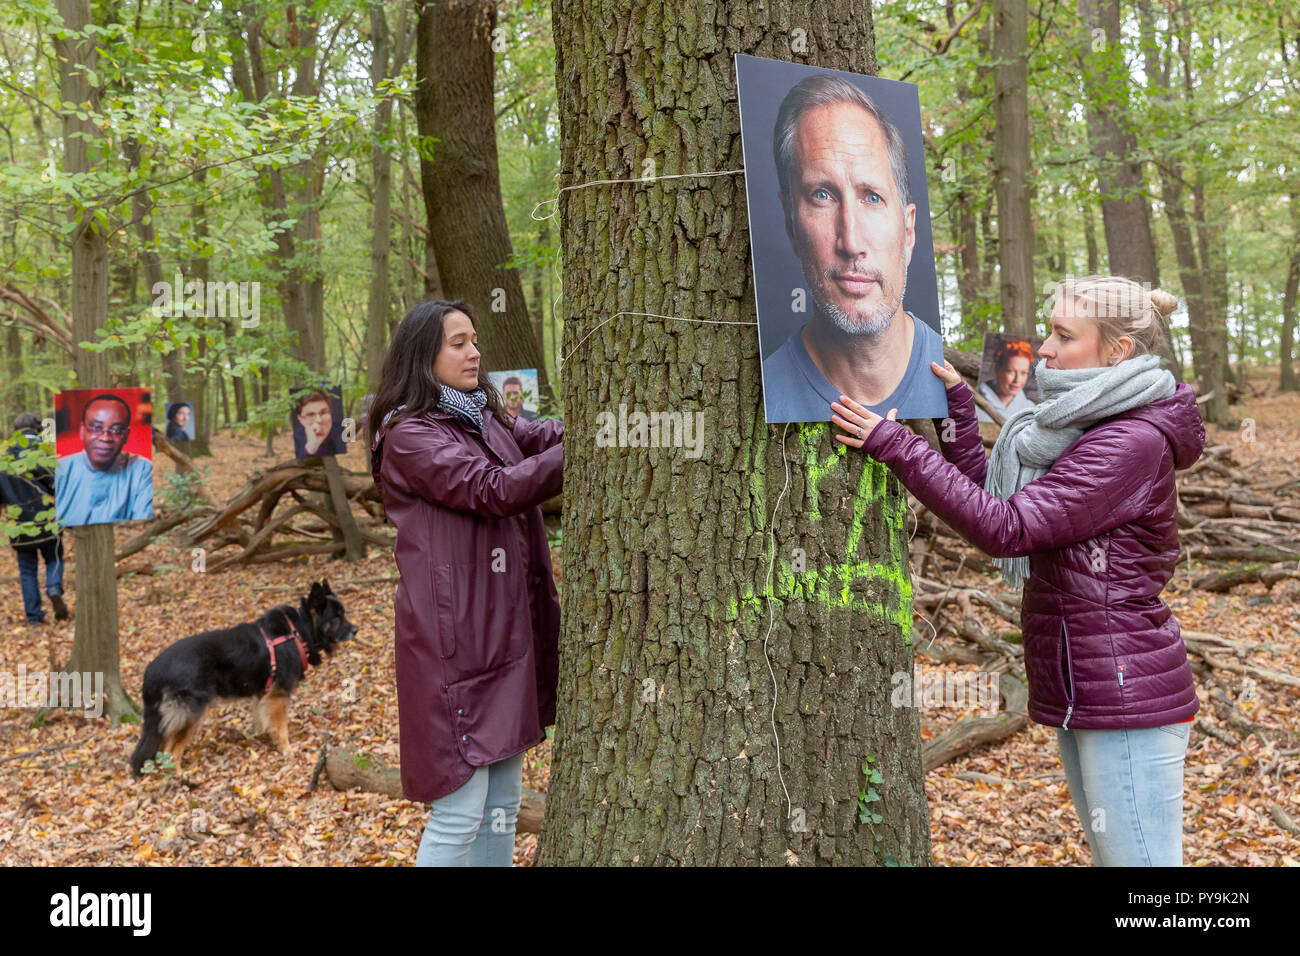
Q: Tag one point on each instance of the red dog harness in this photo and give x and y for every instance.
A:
(271, 645)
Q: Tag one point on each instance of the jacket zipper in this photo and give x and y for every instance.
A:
(1069, 670)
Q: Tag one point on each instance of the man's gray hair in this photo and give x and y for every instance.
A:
(823, 89)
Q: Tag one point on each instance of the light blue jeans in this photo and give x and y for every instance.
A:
(474, 825)
(1127, 786)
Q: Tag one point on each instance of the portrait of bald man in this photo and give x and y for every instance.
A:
(850, 220)
(103, 482)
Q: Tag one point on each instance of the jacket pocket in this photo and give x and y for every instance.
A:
(494, 714)
(445, 615)
(483, 617)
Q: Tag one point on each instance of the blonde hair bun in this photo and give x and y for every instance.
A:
(1164, 302)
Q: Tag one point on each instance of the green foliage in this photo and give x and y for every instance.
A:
(31, 456)
(180, 490)
(161, 764)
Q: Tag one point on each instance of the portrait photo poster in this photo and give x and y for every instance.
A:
(1006, 376)
(103, 438)
(518, 388)
(843, 306)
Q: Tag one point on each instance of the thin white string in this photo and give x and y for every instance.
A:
(608, 182)
(771, 619)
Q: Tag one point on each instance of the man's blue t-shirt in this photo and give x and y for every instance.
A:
(83, 495)
(795, 390)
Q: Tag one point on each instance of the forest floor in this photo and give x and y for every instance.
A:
(67, 797)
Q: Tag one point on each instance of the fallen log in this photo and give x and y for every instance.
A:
(346, 769)
(1265, 574)
(159, 525)
(973, 732)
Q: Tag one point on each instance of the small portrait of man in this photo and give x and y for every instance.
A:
(840, 236)
(180, 421)
(518, 388)
(1007, 374)
(317, 422)
(104, 440)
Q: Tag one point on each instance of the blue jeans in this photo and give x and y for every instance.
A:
(29, 564)
(1127, 786)
(474, 825)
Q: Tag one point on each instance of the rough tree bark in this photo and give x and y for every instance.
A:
(1011, 162)
(664, 746)
(95, 642)
(460, 180)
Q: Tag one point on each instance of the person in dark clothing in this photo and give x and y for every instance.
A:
(33, 492)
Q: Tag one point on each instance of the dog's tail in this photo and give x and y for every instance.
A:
(150, 732)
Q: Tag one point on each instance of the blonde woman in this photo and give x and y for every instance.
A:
(1077, 502)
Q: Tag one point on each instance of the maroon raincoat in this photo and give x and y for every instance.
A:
(1102, 650)
(477, 616)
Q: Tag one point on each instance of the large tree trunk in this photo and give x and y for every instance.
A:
(95, 642)
(1011, 161)
(460, 179)
(664, 746)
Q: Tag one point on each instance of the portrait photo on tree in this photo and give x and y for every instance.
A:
(1006, 376)
(317, 421)
(104, 442)
(843, 256)
(518, 387)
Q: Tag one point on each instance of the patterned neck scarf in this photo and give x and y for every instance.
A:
(467, 406)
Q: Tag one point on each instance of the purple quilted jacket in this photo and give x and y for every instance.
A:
(1102, 650)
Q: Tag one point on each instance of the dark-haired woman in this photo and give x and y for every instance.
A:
(477, 616)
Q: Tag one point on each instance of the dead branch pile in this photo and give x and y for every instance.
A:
(249, 519)
(1226, 514)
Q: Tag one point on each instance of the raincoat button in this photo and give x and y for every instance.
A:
(460, 712)
(464, 738)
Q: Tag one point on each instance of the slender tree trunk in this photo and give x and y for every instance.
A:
(461, 182)
(95, 641)
(196, 378)
(1206, 361)
(380, 304)
(1124, 209)
(1011, 158)
(664, 747)
(1286, 345)
(1090, 239)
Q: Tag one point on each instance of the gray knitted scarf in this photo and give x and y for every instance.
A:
(1072, 400)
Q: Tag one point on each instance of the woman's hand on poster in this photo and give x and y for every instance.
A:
(949, 374)
(856, 420)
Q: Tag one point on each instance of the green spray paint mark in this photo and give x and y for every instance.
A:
(831, 585)
(810, 436)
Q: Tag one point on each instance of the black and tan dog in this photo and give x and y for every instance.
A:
(264, 659)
